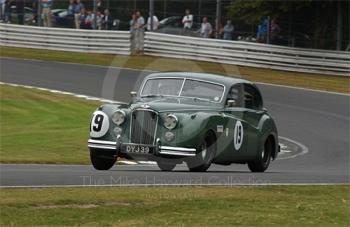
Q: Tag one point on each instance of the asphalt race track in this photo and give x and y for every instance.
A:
(318, 121)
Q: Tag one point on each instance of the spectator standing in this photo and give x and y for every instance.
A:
(2, 10)
(20, 11)
(70, 13)
(46, 12)
(99, 6)
(89, 20)
(219, 28)
(77, 11)
(206, 28)
(228, 30)
(275, 32)
(99, 19)
(7, 11)
(132, 24)
(155, 23)
(82, 18)
(262, 31)
(187, 22)
(35, 11)
(107, 22)
(71, 8)
(139, 31)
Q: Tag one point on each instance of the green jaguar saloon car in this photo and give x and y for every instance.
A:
(191, 118)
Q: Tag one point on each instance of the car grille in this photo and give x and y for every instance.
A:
(143, 126)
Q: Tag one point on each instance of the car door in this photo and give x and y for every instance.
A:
(237, 128)
(252, 114)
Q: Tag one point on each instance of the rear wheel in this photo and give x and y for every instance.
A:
(101, 159)
(202, 161)
(265, 158)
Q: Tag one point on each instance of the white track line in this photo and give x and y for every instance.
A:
(304, 149)
(175, 185)
(90, 98)
(153, 71)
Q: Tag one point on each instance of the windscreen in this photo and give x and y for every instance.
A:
(176, 87)
(166, 87)
(202, 90)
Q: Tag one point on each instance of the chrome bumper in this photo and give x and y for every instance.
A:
(163, 150)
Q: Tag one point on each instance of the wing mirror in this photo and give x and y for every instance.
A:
(231, 103)
(133, 94)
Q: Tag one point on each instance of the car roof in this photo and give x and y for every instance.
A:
(225, 80)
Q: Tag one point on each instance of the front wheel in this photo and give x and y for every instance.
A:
(102, 160)
(264, 161)
(202, 161)
(166, 166)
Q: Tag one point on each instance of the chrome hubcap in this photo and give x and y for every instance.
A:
(204, 150)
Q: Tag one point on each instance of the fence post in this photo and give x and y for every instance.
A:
(268, 30)
(39, 13)
(151, 13)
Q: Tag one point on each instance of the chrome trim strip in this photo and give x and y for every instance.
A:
(177, 153)
(103, 142)
(102, 146)
(183, 149)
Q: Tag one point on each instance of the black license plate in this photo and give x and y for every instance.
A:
(138, 149)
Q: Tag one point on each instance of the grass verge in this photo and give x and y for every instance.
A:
(195, 206)
(42, 127)
(304, 80)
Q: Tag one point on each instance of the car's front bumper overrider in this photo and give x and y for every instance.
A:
(159, 149)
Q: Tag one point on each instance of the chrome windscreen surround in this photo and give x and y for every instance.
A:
(143, 126)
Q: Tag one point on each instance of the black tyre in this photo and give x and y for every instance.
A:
(265, 158)
(202, 161)
(166, 166)
(102, 160)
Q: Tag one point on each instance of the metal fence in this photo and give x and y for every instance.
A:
(163, 45)
(87, 41)
(248, 54)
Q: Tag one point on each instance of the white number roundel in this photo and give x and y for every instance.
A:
(238, 135)
(99, 124)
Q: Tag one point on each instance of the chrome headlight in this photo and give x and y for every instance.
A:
(170, 122)
(118, 117)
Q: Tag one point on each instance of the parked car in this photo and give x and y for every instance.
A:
(173, 25)
(28, 15)
(60, 18)
(194, 118)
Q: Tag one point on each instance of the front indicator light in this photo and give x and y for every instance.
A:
(117, 131)
(169, 136)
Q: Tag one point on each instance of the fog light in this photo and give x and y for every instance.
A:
(117, 131)
(169, 136)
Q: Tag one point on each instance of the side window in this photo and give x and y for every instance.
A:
(252, 98)
(235, 94)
